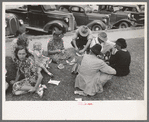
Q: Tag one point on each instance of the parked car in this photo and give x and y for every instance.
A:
(84, 16)
(12, 25)
(123, 16)
(44, 18)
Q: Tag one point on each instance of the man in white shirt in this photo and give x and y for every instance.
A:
(105, 43)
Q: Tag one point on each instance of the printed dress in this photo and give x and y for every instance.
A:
(29, 69)
(93, 74)
(40, 59)
(58, 45)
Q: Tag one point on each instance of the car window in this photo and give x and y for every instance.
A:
(82, 10)
(49, 7)
(75, 9)
(64, 9)
(35, 8)
(117, 8)
(103, 7)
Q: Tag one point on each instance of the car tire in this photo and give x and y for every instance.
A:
(123, 25)
(96, 27)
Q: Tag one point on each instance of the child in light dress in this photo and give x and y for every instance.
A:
(41, 60)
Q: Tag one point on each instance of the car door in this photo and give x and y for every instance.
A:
(79, 14)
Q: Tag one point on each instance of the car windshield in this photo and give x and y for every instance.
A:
(49, 7)
(116, 8)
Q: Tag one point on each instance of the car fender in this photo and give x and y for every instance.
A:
(123, 20)
(99, 22)
(12, 24)
(56, 23)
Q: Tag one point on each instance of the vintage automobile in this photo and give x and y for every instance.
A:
(12, 25)
(84, 16)
(123, 16)
(44, 18)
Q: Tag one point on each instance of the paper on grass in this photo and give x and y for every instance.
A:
(78, 99)
(54, 82)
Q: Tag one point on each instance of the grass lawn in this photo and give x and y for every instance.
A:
(130, 87)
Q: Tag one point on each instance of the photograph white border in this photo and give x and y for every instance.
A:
(72, 110)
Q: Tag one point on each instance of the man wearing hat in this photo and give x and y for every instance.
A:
(93, 73)
(107, 45)
(82, 39)
(103, 41)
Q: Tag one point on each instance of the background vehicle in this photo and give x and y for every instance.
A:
(84, 16)
(11, 25)
(123, 16)
(44, 18)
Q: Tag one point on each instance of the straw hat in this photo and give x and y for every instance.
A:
(84, 31)
(103, 36)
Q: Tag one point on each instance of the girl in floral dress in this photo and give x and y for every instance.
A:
(56, 48)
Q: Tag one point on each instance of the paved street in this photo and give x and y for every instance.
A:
(112, 36)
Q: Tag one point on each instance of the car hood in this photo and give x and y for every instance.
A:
(97, 15)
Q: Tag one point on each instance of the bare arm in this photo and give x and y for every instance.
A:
(74, 42)
(86, 46)
(40, 77)
(54, 51)
(17, 75)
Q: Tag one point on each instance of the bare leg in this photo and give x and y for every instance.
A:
(44, 68)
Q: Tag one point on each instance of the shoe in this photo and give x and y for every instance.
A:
(40, 91)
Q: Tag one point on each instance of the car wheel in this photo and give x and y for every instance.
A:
(96, 28)
(123, 25)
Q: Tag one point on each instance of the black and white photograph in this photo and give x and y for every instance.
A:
(63, 59)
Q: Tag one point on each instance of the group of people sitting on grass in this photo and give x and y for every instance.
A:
(97, 60)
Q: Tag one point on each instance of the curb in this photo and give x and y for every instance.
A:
(72, 33)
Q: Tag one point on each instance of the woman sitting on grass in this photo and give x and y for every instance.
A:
(26, 66)
(93, 73)
(120, 58)
(56, 48)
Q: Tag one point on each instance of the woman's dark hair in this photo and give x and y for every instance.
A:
(121, 42)
(18, 32)
(22, 41)
(21, 48)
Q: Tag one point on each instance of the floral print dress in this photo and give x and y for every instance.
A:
(29, 69)
(58, 45)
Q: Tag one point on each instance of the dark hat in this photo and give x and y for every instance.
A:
(84, 30)
(121, 42)
(96, 49)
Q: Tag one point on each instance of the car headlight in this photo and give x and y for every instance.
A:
(129, 16)
(66, 20)
(132, 16)
(21, 21)
(105, 20)
(5, 24)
